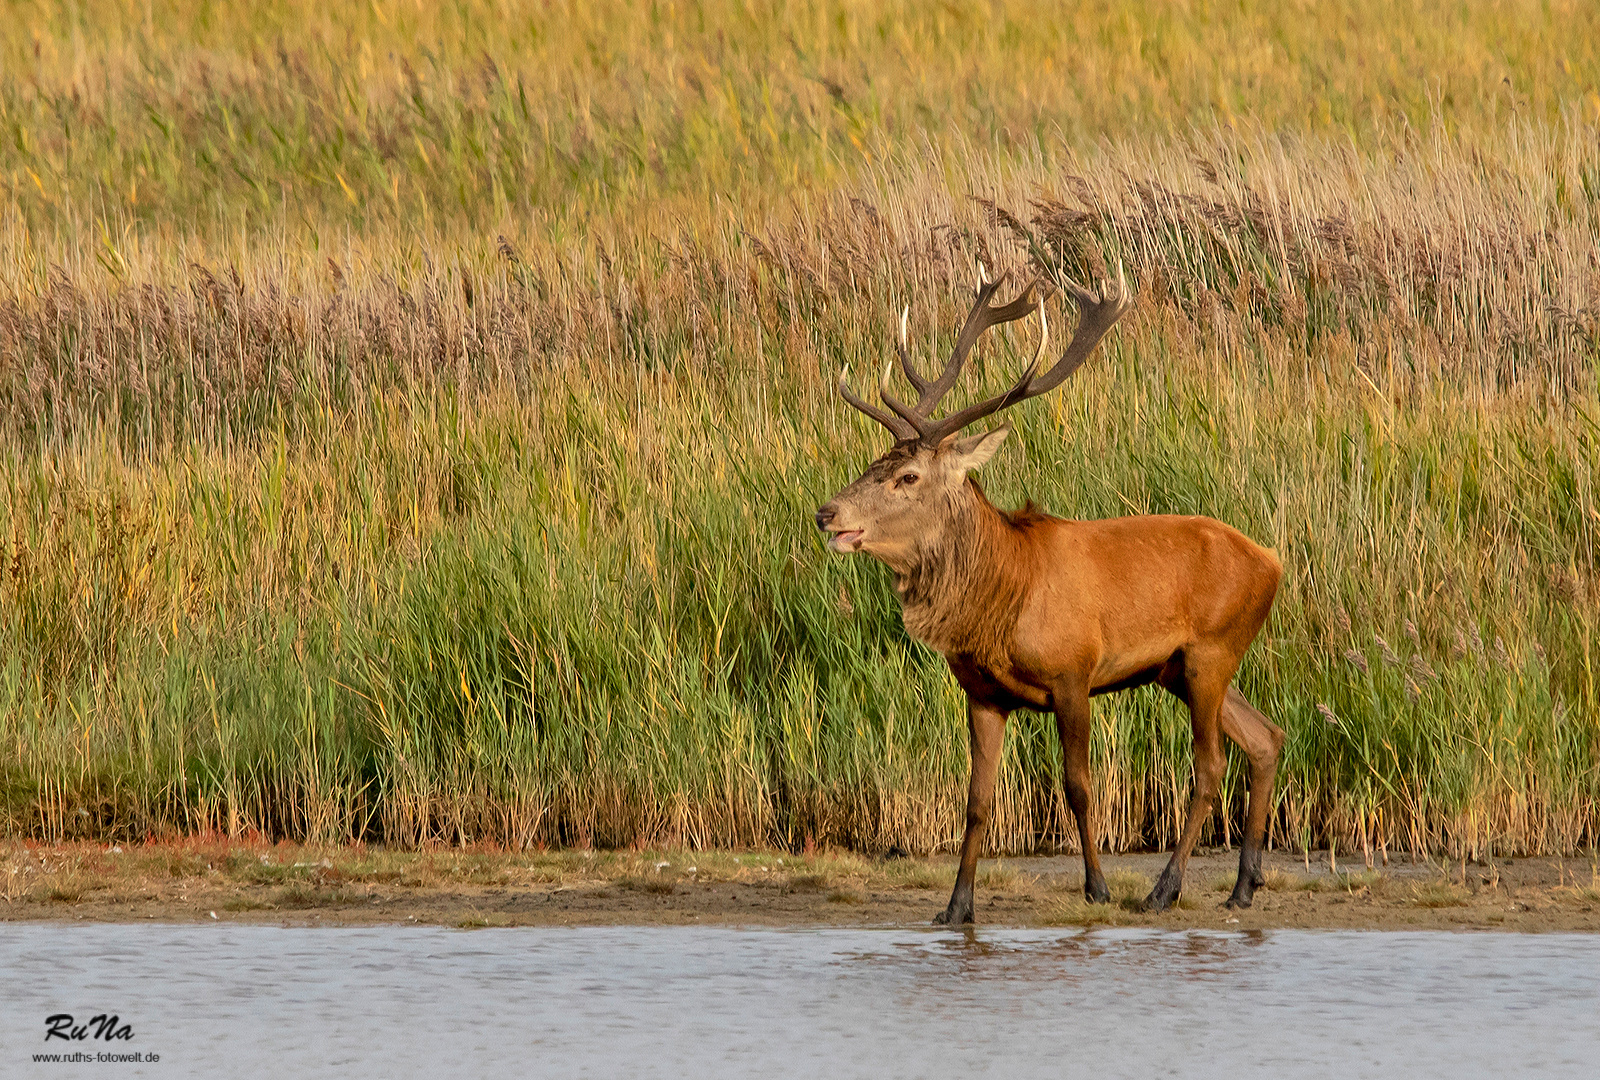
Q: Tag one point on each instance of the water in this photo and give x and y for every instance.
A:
(229, 1000)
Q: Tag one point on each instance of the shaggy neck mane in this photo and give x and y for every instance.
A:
(962, 593)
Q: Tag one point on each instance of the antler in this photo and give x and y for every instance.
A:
(900, 429)
(1097, 314)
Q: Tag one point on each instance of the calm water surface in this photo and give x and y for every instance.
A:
(227, 1000)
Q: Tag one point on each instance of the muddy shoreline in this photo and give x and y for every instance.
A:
(294, 885)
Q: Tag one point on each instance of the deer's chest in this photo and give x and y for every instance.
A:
(993, 685)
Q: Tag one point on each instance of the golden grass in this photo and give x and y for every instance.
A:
(1075, 911)
(246, 903)
(133, 129)
(1128, 888)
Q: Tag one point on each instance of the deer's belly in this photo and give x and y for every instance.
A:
(1003, 690)
(1128, 660)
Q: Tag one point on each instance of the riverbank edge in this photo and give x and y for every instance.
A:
(257, 883)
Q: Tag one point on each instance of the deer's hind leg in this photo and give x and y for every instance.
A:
(1203, 687)
(1262, 741)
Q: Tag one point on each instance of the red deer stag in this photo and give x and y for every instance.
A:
(1037, 612)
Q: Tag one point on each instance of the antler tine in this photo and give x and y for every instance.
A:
(1097, 314)
(1044, 341)
(918, 422)
(982, 316)
(902, 347)
(900, 428)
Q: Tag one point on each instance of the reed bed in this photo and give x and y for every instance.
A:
(450, 533)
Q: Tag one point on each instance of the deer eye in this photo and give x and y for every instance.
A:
(907, 479)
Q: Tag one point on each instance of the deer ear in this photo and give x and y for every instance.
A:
(969, 453)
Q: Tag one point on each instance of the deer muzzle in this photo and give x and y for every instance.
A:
(840, 539)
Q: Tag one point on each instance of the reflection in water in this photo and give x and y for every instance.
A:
(390, 1001)
(969, 955)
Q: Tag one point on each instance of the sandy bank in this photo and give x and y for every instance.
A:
(196, 880)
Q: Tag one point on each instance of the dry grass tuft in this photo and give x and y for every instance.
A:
(1284, 881)
(1371, 881)
(1439, 894)
(917, 874)
(1128, 888)
(1589, 893)
(67, 889)
(301, 894)
(1079, 912)
(653, 884)
(1000, 877)
(247, 903)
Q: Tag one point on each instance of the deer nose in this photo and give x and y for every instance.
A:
(824, 517)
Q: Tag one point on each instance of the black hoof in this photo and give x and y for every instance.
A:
(1096, 892)
(1249, 872)
(1168, 885)
(950, 916)
(1237, 902)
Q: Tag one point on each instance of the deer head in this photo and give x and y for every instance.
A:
(905, 498)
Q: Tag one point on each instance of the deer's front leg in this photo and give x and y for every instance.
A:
(1074, 724)
(987, 728)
